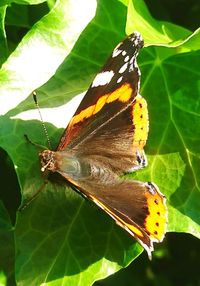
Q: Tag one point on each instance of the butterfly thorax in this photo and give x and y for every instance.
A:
(75, 168)
(63, 161)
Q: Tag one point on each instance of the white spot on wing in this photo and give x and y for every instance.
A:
(123, 68)
(133, 65)
(132, 59)
(103, 78)
(137, 38)
(126, 59)
(119, 79)
(123, 53)
(116, 52)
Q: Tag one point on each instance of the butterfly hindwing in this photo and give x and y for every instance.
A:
(137, 207)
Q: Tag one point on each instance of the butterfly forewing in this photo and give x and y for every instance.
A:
(113, 89)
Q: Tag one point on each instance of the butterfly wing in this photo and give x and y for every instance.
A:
(104, 139)
(110, 111)
(137, 207)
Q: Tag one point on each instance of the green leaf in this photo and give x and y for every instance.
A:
(3, 43)
(24, 16)
(174, 111)
(91, 50)
(7, 253)
(22, 2)
(193, 42)
(4, 219)
(41, 52)
(61, 238)
(154, 32)
(2, 279)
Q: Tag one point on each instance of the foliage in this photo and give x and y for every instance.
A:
(60, 238)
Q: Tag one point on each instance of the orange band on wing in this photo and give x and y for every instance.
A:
(100, 103)
(85, 113)
(123, 94)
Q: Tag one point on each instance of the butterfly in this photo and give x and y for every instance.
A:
(104, 140)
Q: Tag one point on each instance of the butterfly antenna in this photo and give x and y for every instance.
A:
(40, 114)
(29, 201)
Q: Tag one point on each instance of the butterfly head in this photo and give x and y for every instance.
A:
(48, 161)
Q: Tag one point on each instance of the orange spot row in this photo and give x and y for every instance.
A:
(140, 121)
(156, 220)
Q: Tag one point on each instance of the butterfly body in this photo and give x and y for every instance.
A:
(104, 140)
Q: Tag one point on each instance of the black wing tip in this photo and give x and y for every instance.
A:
(136, 39)
(130, 45)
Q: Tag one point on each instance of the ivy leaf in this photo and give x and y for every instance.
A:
(7, 250)
(21, 2)
(61, 238)
(154, 32)
(3, 44)
(40, 52)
